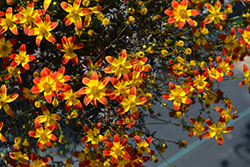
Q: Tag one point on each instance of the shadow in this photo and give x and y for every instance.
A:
(224, 163)
(242, 150)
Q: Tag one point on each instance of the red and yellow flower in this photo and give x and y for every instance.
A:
(142, 145)
(28, 16)
(95, 89)
(93, 136)
(48, 118)
(39, 162)
(130, 103)
(44, 135)
(43, 29)
(2, 138)
(46, 83)
(217, 130)
(246, 81)
(71, 98)
(75, 13)
(4, 99)
(6, 48)
(8, 22)
(68, 47)
(118, 66)
(178, 94)
(198, 129)
(215, 15)
(180, 14)
(22, 58)
(117, 149)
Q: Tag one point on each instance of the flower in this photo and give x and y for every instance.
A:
(116, 149)
(71, 98)
(178, 94)
(215, 15)
(217, 130)
(6, 48)
(118, 66)
(93, 136)
(95, 89)
(28, 16)
(200, 82)
(48, 118)
(201, 36)
(8, 22)
(198, 128)
(105, 21)
(4, 99)
(68, 47)
(2, 138)
(144, 11)
(75, 13)
(95, 9)
(226, 113)
(44, 135)
(247, 77)
(22, 58)
(43, 29)
(142, 145)
(39, 162)
(46, 83)
(130, 103)
(180, 14)
(225, 65)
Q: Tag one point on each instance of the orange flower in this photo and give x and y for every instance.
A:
(22, 58)
(6, 48)
(4, 99)
(1, 136)
(130, 103)
(246, 81)
(28, 16)
(117, 149)
(75, 13)
(38, 162)
(8, 22)
(46, 83)
(43, 29)
(95, 89)
(47, 118)
(71, 98)
(217, 130)
(118, 66)
(44, 135)
(178, 94)
(93, 136)
(68, 47)
(180, 14)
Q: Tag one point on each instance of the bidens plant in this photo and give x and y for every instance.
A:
(81, 76)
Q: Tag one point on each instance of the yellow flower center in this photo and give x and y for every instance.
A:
(117, 150)
(183, 14)
(47, 87)
(3, 48)
(42, 30)
(8, 22)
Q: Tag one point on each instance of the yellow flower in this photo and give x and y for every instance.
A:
(105, 21)
(140, 54)
(131, 10)
(131, 19)
(144, 11)
(100, 16)
(188, 51)
(85, 3)
(192, 63)
(180, 43)
(150, 50)
(164, 52)
(38, 104)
